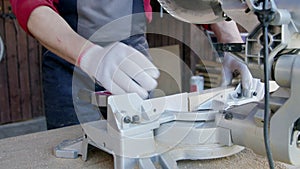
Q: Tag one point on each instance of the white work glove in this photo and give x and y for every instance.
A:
(251, 86)
(120, 69)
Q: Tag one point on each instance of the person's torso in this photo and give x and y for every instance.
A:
(104, 20)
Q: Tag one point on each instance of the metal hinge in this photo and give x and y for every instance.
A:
(7, 15)
(11, 16)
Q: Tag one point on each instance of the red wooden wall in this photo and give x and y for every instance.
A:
(20, 71)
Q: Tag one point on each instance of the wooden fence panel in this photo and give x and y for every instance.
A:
(34, 54)
(24, 74)
(20, 71)
(12, 66)
(4, 101)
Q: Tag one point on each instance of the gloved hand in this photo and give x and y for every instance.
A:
(251, 86)
(120, 69)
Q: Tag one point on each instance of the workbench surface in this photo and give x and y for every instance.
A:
(35, 151)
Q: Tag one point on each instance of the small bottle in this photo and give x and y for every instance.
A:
(196, 83)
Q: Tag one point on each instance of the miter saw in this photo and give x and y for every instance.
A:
(216, 122)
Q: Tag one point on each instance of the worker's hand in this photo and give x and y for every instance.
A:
(251, 86)
(120, 69)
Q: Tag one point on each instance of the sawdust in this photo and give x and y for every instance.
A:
(35, 151)
(246, 159)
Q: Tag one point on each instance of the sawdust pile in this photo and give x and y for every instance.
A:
(246, 159)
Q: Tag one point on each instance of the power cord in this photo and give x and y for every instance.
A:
(265, 16)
